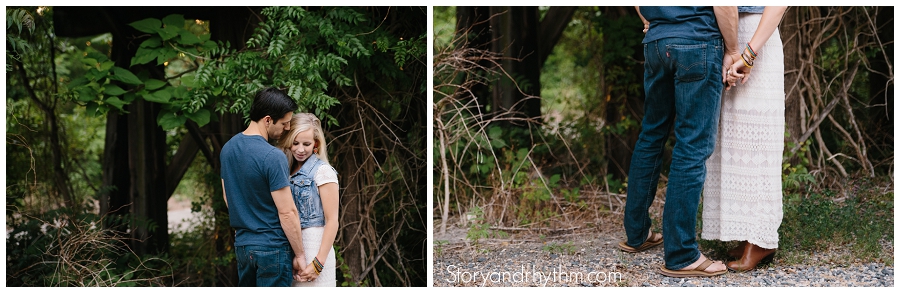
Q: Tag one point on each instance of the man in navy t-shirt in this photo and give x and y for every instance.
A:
(255, 185)
(684, 48)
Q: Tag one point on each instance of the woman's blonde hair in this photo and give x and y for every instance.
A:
(299, 123)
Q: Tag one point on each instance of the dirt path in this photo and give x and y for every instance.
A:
(588, 257)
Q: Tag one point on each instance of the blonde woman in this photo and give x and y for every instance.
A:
(314, 186)
(742, 192)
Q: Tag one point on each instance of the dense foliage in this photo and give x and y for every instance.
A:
(322, 57)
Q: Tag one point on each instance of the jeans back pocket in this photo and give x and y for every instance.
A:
(689, 61)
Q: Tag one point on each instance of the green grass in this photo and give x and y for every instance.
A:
(858, 221)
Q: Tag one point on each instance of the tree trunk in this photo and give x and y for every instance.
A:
(789, 28)
(349, 160)
(473, 30)
(139, 144)
(146, 150)
(516, 37)
(114, 199)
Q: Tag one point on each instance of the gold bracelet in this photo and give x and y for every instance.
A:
(748, 64)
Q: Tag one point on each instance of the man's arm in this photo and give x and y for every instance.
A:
(727, 19)
(644, 20)
(224, 197)
(290, 223)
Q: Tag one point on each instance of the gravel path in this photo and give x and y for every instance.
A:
(592, 259)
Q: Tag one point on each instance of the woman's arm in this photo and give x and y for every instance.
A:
(330, 204)
(769, 21)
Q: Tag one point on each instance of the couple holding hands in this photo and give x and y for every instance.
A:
(282, 200)
(728, 147)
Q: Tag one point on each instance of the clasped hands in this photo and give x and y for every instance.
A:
(733, 68)
(303, 272)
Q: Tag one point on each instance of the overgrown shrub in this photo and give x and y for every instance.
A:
(60, 249)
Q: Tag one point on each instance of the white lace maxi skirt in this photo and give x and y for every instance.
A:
(742, 194)
(312, 240)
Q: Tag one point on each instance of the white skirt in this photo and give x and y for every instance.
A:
(312, 240)
(742, 193)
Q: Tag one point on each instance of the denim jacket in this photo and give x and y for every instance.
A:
(306, 193)
(751, 9)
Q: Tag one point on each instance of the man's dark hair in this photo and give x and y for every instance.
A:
(271, 102)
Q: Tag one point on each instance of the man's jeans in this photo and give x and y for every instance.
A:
(264, 266)
(683, 84)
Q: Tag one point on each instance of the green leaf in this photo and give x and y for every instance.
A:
(484, 169)
(165, 54)
(129, 97)
(91, 108)
(521, 154)
(160, 96)
(169, 120)
(147, 25)
(89, 62)
(189, 80)
(169, 32)
(143, 56)
(498, 143)
(123, 75)
(96, 56)
(85, 94)
(180, 92)
(113, 90)
(152, 84)
(187, 38)
(495, 132)
(201, 117)
(152, 42)
(78, 82)
(207, 45)
(170, 54)
(106, 65)
(116, 102)
(176, 20)
(553, 180)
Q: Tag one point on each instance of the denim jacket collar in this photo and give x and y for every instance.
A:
(307, 168)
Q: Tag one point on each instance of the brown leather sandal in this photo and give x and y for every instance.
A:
(654, 240)
(699, 271)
